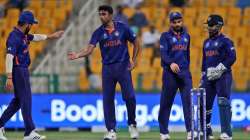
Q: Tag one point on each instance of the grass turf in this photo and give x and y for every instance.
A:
(83, 135)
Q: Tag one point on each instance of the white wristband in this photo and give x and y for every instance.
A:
(39, 37)
(9, 63)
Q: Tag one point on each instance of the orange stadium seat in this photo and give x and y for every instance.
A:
(13, 12)
(234, 12)
(129, 12)
(221, 11)
(213, 3)
(83, 80)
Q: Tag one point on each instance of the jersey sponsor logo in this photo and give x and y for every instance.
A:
(212, 53)
(179, 48)
(112, 43)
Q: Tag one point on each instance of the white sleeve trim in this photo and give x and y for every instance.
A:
(9, 63)
(39, 37)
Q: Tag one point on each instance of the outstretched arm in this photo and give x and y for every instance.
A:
(82, 53)
(41, 37)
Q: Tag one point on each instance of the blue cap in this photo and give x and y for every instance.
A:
(27, 17)
(175, 15)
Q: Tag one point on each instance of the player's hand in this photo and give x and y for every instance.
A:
(55, 35)
(132, 65)
(175, 68)
(72, 55)
(9, 85)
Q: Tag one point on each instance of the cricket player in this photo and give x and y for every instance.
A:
(218, 57)
(113, 38)
(17, 63)
(175, 60)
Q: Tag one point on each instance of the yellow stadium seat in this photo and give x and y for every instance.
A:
(35, 4)
(190, 12)
(129, 12)
(228, 3)
(157, 63)
(194, 31)
(240, 32)
(147, 53)
(83, 80)
(50, 4)
(221, 11)
(159, 13)
(213, 3)
(13, 12)
(241, 79)
(188, 21)
(234, 12)
(246, 16)
(175, 9)
(233, 22)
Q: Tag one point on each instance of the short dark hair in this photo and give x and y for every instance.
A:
(19, 23)
(107, 8)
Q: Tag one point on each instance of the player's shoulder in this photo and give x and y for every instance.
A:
(12, 37)
(225, 38)
(166, 34)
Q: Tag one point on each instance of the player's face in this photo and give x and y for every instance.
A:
(27, 29)
(105, 17)
(213, 30)
(177, 24)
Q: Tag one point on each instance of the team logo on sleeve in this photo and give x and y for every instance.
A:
(207, 45)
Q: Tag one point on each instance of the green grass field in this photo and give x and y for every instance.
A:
(121, 136)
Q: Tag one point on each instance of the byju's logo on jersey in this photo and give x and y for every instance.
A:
(105, 36)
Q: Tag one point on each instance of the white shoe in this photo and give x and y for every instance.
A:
(110, 135)
(189, 135)
(134, 134)
(165, 136)
(224, 136)
(34, 136)
(2, 137)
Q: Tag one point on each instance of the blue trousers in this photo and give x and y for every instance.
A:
(221, 88)
(111, 74)
(171, 82)
(22, 99)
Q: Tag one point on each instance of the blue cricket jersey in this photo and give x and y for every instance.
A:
(218, 49)
(18, 45)
(113, 45)
(175, 49)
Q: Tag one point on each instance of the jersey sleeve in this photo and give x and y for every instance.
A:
(30, 37)
(130, 35)
(95, 38)
(11, 45)
(164, 49)
(230, 54)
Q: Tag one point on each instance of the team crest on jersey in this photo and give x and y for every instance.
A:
(105, 36)
(174, 39)
(185, 39)
(116, 33)
(216, 44)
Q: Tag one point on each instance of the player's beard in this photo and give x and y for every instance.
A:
(178, 29)
(27, 30)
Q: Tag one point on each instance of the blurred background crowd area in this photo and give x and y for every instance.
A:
(147, 18)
